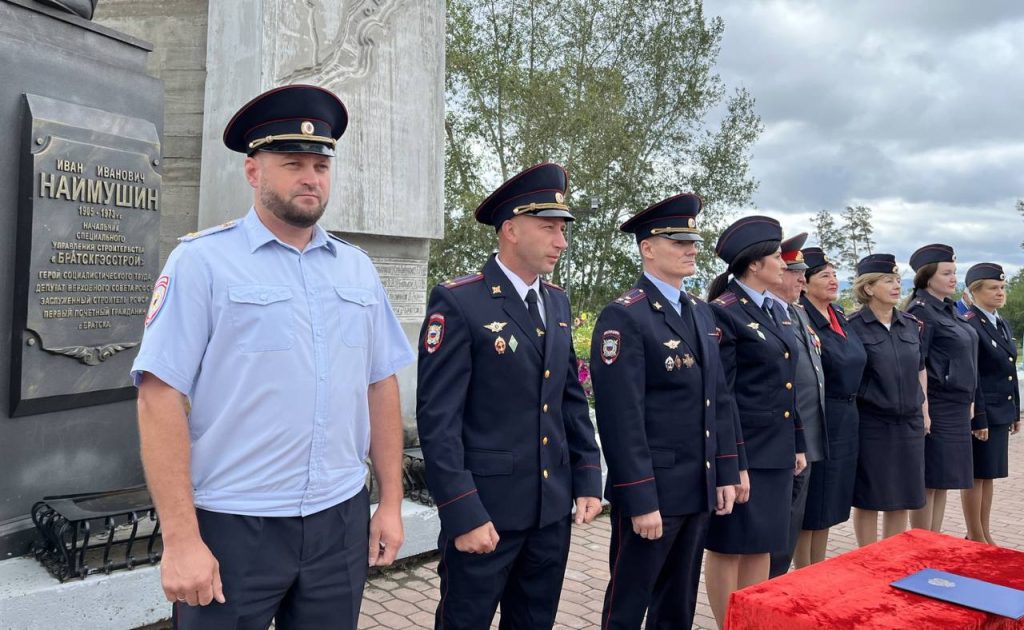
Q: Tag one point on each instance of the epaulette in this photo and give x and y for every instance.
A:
(917, 303)
(695, 298)
(552, 285)
(343, 241)
(463, 280)
(191, 236)
(909, 316)
(631, 297)
(726, 299)
(969, 315)
(798, 305)
(838, 308)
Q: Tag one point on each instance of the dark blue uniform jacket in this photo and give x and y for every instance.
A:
(503, 420)
(666, 418)
(997, 370)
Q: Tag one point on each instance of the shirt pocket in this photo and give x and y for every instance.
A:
(354, 307)
(263, 316)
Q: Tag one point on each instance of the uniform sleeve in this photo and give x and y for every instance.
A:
(584, 454)
(727, 458)
(618, 370)
(389, 350)
(980, 419)
(180, 321)
(926, 329)
(727, 352)
(443, 375)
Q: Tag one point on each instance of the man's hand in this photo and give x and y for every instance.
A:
(483, 539)
(189, 573)
(743, 489)
(800, 465)
(726, 499)
(980, 435)
(587, 508)
(1015, 427)
(927, 424)
(648, 525)
(386, 535)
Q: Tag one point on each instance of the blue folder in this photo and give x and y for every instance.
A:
(965, 591)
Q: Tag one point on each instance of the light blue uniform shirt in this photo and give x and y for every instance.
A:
(758, 298)
(670, 292)
(275, 349)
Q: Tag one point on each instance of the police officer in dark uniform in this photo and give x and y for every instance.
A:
(503, 420)
(997, 371)
(758, 351)
(950, 347)
(666, 421)
(842, 356)
(810, 392)
(890, 403)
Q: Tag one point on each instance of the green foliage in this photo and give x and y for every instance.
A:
(620, 92)
(1013, 312)
(847, 242)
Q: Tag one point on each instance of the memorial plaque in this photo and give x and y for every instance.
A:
(88, 227)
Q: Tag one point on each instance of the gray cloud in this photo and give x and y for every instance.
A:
(911, 107)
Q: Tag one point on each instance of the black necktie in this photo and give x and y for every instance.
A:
(766, 306)
(1001, 325)
(531, 305)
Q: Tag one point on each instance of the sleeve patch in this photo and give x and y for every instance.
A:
(160, 290)
(435, 333)
(611, 346)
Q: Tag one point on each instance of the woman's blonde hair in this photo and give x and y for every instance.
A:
(863, 281)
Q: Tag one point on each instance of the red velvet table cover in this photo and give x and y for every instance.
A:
(852, 590)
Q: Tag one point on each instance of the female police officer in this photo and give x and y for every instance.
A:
(842, 359)
(950, 347)
(759, 352)
(890, 404)
(997, 371)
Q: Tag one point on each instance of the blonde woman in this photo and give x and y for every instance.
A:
(891, 404)
(997, 372)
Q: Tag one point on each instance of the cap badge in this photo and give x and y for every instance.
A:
(495, 327)
(611, 342)
(559, 197)
(1002, 276)
(895, 269)
(306, 128)
(691, 223)
(953, 258)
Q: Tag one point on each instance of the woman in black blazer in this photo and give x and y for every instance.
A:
(759, 356)
(1000, 397)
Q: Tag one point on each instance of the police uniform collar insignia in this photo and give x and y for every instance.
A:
(496, 289)
(688, 361)
(435, 333)
(656, 305)
(563, 324)
(744, 300)
(499, 345)
(540, 332)
(672, 344)
(611, 345)
(496, 327)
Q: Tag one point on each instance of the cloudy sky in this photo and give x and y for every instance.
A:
(912, 107)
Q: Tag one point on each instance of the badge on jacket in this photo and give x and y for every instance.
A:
(611, 342)
(435, 333)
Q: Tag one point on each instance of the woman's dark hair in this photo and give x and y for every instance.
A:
(739, 265)
(921, 278)
(815, 270)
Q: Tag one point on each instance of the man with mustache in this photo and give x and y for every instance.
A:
(266, 375)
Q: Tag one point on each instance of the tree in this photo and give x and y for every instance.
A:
(1013, 311)
(622, 93)
(831, 239)
(1020, 210)
(858, 241)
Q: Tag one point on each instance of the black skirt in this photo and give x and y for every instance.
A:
(991, 458)
(761, 525)
(830, 492)
(890, 464)
(948, 460)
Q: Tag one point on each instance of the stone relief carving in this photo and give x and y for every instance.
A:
(320, 43)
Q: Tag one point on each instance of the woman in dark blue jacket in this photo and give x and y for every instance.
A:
(1000, 396)
(830, 493)
(759, 357)
(950, 347)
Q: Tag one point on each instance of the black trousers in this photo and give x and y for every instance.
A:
(657, 577)
(524, 575)
(781, 561)
(307, 572)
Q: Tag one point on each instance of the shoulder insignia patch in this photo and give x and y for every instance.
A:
(208, 231)
(694, 298)
(629, 298)
(969, 315)
(344, 242)
(160, 289)
(611, 345)
(726, 299)
(552, 285)
(463, 280)
(435, 333)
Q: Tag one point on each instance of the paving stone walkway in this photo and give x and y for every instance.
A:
(405, 597)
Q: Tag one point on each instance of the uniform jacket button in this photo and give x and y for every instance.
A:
(785, 415)
(707, 464)
(785, 356)
(545, 408)
(789, 386)
(547, 373)
(707, 433)
(544, 441)
(708, 402)
(545, 473)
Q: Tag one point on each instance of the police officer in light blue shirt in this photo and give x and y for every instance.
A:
(281, 339)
